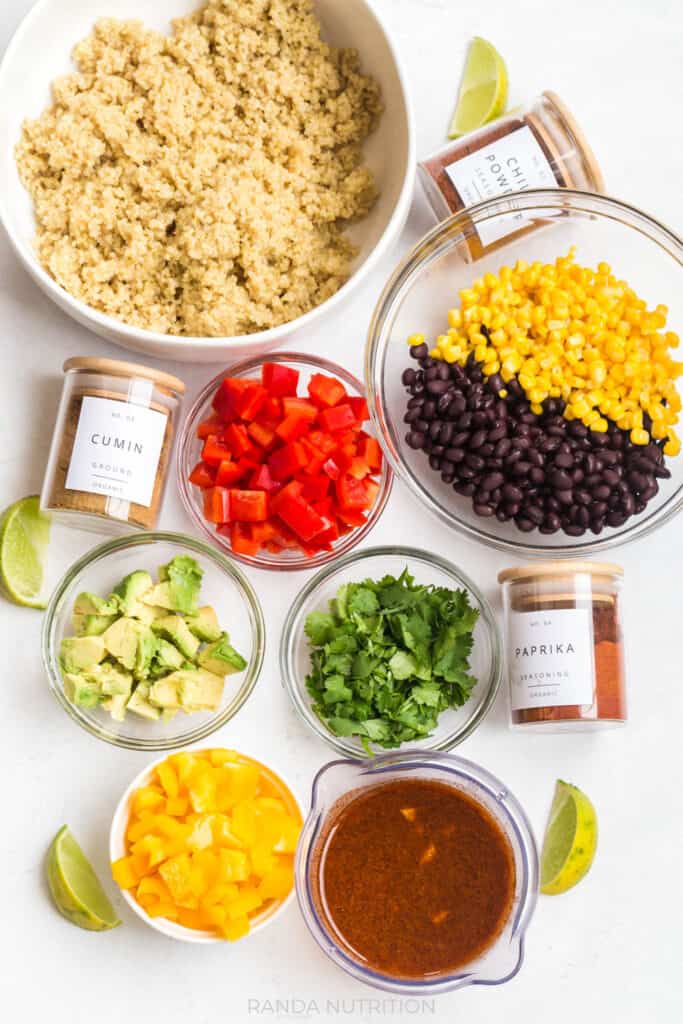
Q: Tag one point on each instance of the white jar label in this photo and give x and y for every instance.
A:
(513, 163)
(116, 450)
(550, 658)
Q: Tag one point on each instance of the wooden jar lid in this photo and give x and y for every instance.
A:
(120, 369)
(577, 133)
(558, 570)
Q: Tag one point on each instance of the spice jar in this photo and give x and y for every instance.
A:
(564, 645)
(541, 146)
(111, 445)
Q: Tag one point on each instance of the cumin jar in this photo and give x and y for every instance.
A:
(539, 146)
(111, 446)
(564, 645)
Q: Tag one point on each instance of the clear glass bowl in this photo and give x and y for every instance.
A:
(503, 959)
(486, 661)
(223, 586)
(190, 448)
(425, 285)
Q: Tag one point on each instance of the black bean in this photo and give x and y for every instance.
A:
(577, 429)
(597, 508)
(564, 497)
(512, 458)
(552, 504)
(534, 513)
(479, 419)
(409, 376)
(417, 402)
(601, 493)
(444, 371)
(492, 481)
(563, 460)
(512, 493)
(465, 421)
(412, 415)
(467, 473)
(495, 383)
(430, 368)
(535, 457)
(597, 525)
(501, 515)
(477, 438)
(560, 480)
(415, 439)
(582, 496)
(437, 387)
(475, 461)
(574, 530)
(610, 477)
(616, 518)
(456, 407)
(628, 504)
(512, 508)
(582, 516)
(523, 524)
(555, 431)
(649, 492)
(466, 489)
(502, 448)
(637, 481)
(419, 351)
(662, 473)
(536, 474)
(520, 468)
(498, 432)
(434, 429)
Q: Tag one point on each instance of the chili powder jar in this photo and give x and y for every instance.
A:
(564, 645)
(540, 146)
(111, 446)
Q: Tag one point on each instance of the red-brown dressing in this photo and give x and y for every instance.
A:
(414, 878)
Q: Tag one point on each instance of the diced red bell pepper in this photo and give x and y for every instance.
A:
(370, 450)
(281, 381)
(360, 408)
(248, 506)
(322, 441)
(215, 451)
(300, 407)
(331, 469)
(330, 531)
(355, 495)
(292, 427)
(242, 541)
(225, 401)
(315, 457)
(213, 425)
(272, 410)
(238, 442)
(250, 401)
(326, 391)
(315, 488)
(287, 461)
(262, 480)
(263, 435)
(203, 475)
(217, 505)
(351, 519)
(356, 466)
(299, 515)
(229, 472)
(341, 417)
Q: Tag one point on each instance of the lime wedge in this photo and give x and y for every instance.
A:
(483, 92)
(24, 536)
(570, 841)
(75, 887)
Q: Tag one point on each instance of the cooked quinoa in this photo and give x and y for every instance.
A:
(200, 183)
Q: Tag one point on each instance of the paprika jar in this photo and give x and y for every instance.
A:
(540, 146)
(564, 645)
(111, 445)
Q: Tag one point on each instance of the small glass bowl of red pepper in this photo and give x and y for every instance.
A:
(279, 465)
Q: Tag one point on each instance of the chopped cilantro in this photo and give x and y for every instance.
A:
(389, 657)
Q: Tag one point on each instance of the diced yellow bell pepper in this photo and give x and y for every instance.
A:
(244, 821)
(246, 902)
(233, 866)
(291, 830)
(237, 929)
(214, 917)
(202, 792)
(124, 873)
(154, 847)
(163, 909)
(178, 806)
(176, 874)
(225, 892)
(278, 884)
(147, 798)
(220, 757)
(155, 887)
(262, 860)
(201, 836)
(168, 779)
(184, 765)
(223, 834)
(191, 918)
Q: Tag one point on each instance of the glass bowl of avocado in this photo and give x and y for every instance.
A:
(153, 641)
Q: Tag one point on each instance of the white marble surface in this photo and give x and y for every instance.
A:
(609, 951)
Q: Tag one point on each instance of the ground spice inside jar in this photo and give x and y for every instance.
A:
(112, 444)
(565, 647)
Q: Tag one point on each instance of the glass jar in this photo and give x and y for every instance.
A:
(540, 146)
(564, 645)
(111, 445)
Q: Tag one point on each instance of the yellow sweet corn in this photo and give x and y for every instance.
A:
(563, 329)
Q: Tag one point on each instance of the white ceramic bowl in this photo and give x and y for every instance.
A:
(40, 52)
(117, 849)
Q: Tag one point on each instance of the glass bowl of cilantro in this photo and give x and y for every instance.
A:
(391, 647)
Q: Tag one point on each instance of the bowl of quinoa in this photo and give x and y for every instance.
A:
(208, 184)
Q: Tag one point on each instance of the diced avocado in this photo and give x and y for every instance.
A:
(116, 706)
(204, 624)
(146, 649)
(175, 629)
(81, 692)
(168, 656)
(222, 659)
(161, 596)
(112, 680)
(91, 625)
(78, 653)
(121, 640)
(139, 703)
(164, 692)
(184, 578)
(200, 690)
(131, 590)
(168, 714)
(91, 604)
